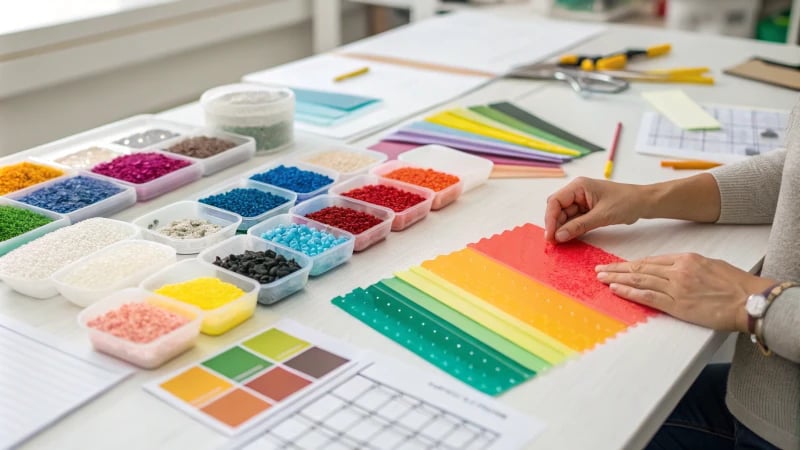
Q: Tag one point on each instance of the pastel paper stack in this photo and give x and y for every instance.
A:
(501, 310)
(323, 108)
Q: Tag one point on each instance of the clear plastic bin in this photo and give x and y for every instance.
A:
(301, 196)
(218, 320)
(343, 175)
(271, 292)
(441, 198)
(165, 183)
(326, 260)
(106, 207)
(402, 219)
(244, 150)
(146, 355)
(364, 239)
(59, 220)
(246, 183)
(84, 297)
(42, 288)
(473, 170)
(189, 209)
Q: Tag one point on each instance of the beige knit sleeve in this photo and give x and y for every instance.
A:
(749, 189)
(781, 324)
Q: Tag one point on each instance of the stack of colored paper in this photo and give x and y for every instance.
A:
(501, 132)
(326, 109)
(499, 311)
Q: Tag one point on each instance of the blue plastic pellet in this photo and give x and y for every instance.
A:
(303, 238)
(71, 195)
(293, 179)
(247, 202)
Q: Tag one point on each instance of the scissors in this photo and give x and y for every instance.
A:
(583, 82)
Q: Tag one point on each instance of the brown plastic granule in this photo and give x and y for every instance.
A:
(201, 147)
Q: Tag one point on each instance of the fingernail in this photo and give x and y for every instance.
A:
(613, 286)
(562, 235)
(602, 276)
(599, 268)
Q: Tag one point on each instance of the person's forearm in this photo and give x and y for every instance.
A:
(695, 198)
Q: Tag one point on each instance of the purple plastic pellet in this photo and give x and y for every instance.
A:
(140, 167)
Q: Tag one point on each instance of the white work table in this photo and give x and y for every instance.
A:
(612, 397)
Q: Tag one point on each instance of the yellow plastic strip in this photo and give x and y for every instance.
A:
(508, 327)
(453, 120)
(526, 300)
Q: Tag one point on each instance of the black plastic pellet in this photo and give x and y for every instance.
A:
(264, 267)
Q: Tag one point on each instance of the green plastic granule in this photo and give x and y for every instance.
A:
(268, 137)
(16, 221)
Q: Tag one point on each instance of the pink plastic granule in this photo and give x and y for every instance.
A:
(138, 322)
(140, 167)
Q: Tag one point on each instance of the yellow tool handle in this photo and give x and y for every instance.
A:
(658, 50)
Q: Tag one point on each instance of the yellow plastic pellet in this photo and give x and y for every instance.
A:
(24, 174)
(340, 160)
(206, 292)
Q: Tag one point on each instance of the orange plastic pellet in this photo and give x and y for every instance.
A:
(428, 178)
(21, 175)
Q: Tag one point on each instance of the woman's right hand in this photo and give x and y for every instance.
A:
(585, 204)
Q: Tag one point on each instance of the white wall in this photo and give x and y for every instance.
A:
(49, 113)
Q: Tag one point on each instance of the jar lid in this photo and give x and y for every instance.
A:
(244, 99)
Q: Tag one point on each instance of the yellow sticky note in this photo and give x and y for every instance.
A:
(681, 110)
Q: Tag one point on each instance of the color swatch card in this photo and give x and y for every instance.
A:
(681, 110)
(386, 405)
(745, 132)
(325, 108)
(41, 382)
(239, 386)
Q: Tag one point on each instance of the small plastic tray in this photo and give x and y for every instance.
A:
(326, 260)
(441, 198)
(215, 321)
(50, 154)
(146, 355)
(165, 183)
(189, 209)
(402, 219)
(364, 239)
(42, 288)
(473, 170)
(271, 292)
(246, 183)
(301, 196)
(378, 156)
(106, 207)
(244, 150)
(59, 220)
(84, 297)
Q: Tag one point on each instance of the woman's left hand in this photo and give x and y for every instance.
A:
(700, 290)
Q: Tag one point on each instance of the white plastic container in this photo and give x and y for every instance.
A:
(333, 163)
(83, 296)
(268, 293)
(165, 183)
(366, 238)
(249, 221)
(402, 219)
(151, 354)
(188, 209)
(218, 320)
(728, 17)
(322, 262)
(441, 198)
(244, 150)
(263, 112)
(103, 208)
(473, 170)
(59, 220)
(301, 196)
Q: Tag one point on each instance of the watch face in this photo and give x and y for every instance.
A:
(756, 305)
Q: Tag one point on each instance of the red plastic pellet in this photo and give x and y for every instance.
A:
(347, 219)
(429, 178)
(138, 322)
(389, 196)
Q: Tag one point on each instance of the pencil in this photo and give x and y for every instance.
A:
(690, 164)
(613, 150)
(352, 74)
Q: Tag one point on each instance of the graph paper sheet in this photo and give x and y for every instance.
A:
(745, 132)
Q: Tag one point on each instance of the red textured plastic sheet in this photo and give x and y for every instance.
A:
(568, 268)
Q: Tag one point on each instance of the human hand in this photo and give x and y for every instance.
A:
(585, 204)
(700, 290)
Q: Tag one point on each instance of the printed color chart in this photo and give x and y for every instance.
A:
(238, 386)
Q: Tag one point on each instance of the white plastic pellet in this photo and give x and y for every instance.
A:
(108, 268)
(39, 258)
